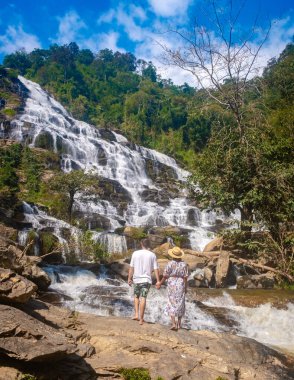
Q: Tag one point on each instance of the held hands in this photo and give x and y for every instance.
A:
(130, 281)
(158, 285)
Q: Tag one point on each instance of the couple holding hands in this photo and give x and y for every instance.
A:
(143, 263)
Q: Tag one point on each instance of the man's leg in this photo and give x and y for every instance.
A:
(144, 292)
(136, 307)
(142, 309)
(136, 302)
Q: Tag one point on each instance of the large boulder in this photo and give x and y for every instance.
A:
(214, 245)
(11, 257)
(222, 269)
(162, 250)
(25, 338)
(120, 268)
(257, 281)
(15, 288)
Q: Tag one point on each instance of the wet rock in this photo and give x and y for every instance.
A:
(159, 172)
(44, 140)
(107, 134)
(92, 221)
(25, 338)
(112, 191)
(193, 217)
(222, 269)
(156, 240)
(257, 281)
(121, 268)
(15, 288)
(158, 196)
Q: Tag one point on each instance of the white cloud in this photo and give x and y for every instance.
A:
(69, 28)
(15, 38)
(169, 8)
(102, 41)
(138, 12)
(280, 35)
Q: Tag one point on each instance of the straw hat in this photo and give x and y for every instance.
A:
(176, 253)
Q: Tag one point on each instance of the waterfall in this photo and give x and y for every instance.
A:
(155, 198)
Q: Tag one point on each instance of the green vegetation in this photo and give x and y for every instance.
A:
(70, 184)
(135, 374)
(237, 143)
(115, 90)
(93, 250)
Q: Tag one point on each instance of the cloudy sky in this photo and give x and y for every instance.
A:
(135, 26)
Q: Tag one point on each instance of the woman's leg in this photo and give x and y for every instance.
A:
(174, 325)
(179, 324)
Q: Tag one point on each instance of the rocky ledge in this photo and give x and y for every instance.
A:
(85, 346)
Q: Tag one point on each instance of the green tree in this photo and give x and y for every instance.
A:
(73, 183)
(32, 170)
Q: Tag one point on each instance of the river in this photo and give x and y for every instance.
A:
(266, 316)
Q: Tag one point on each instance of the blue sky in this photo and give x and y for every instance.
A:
(127, 26)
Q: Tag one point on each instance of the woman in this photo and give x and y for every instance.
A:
(176, 274)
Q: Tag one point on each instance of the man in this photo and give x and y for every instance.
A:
(143, 263)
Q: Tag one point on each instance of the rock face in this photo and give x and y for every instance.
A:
(222, 269)
(13, 258)
(105, 345)
(179, 355)
(15, 288)
(25, 338)
(257, 281)
(214, 245)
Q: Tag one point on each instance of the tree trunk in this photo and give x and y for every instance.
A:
(246, 219)
(70, 205)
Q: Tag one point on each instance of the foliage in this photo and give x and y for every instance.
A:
(9, 181)
(32, 170)
(237, 137)
(91, 248)
(73, 183)
(111, 89)
(135, 374)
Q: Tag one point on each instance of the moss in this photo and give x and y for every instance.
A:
(135, 374)
(48, 242)
(9, 112)
(27, 376)
(44, 140)
(136, 233)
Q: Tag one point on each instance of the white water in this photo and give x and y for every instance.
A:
(264, 323)
(40, 220)
(103, 295)
(81, 145)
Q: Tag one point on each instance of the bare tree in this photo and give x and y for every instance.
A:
(223, 60)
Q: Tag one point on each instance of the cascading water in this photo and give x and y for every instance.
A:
(112, 157)
(106, 295)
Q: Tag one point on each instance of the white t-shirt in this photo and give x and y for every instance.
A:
(143, 262)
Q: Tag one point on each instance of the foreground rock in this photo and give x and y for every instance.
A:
(11, 257)
(23, 337)
(15, 288)
(184, 355)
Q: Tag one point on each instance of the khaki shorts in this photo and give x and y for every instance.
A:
(141, 290)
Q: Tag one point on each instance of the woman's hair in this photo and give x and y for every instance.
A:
(145, 243)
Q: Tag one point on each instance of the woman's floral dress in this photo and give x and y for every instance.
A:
(175, 271)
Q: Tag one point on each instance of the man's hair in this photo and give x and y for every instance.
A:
(145, 243)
